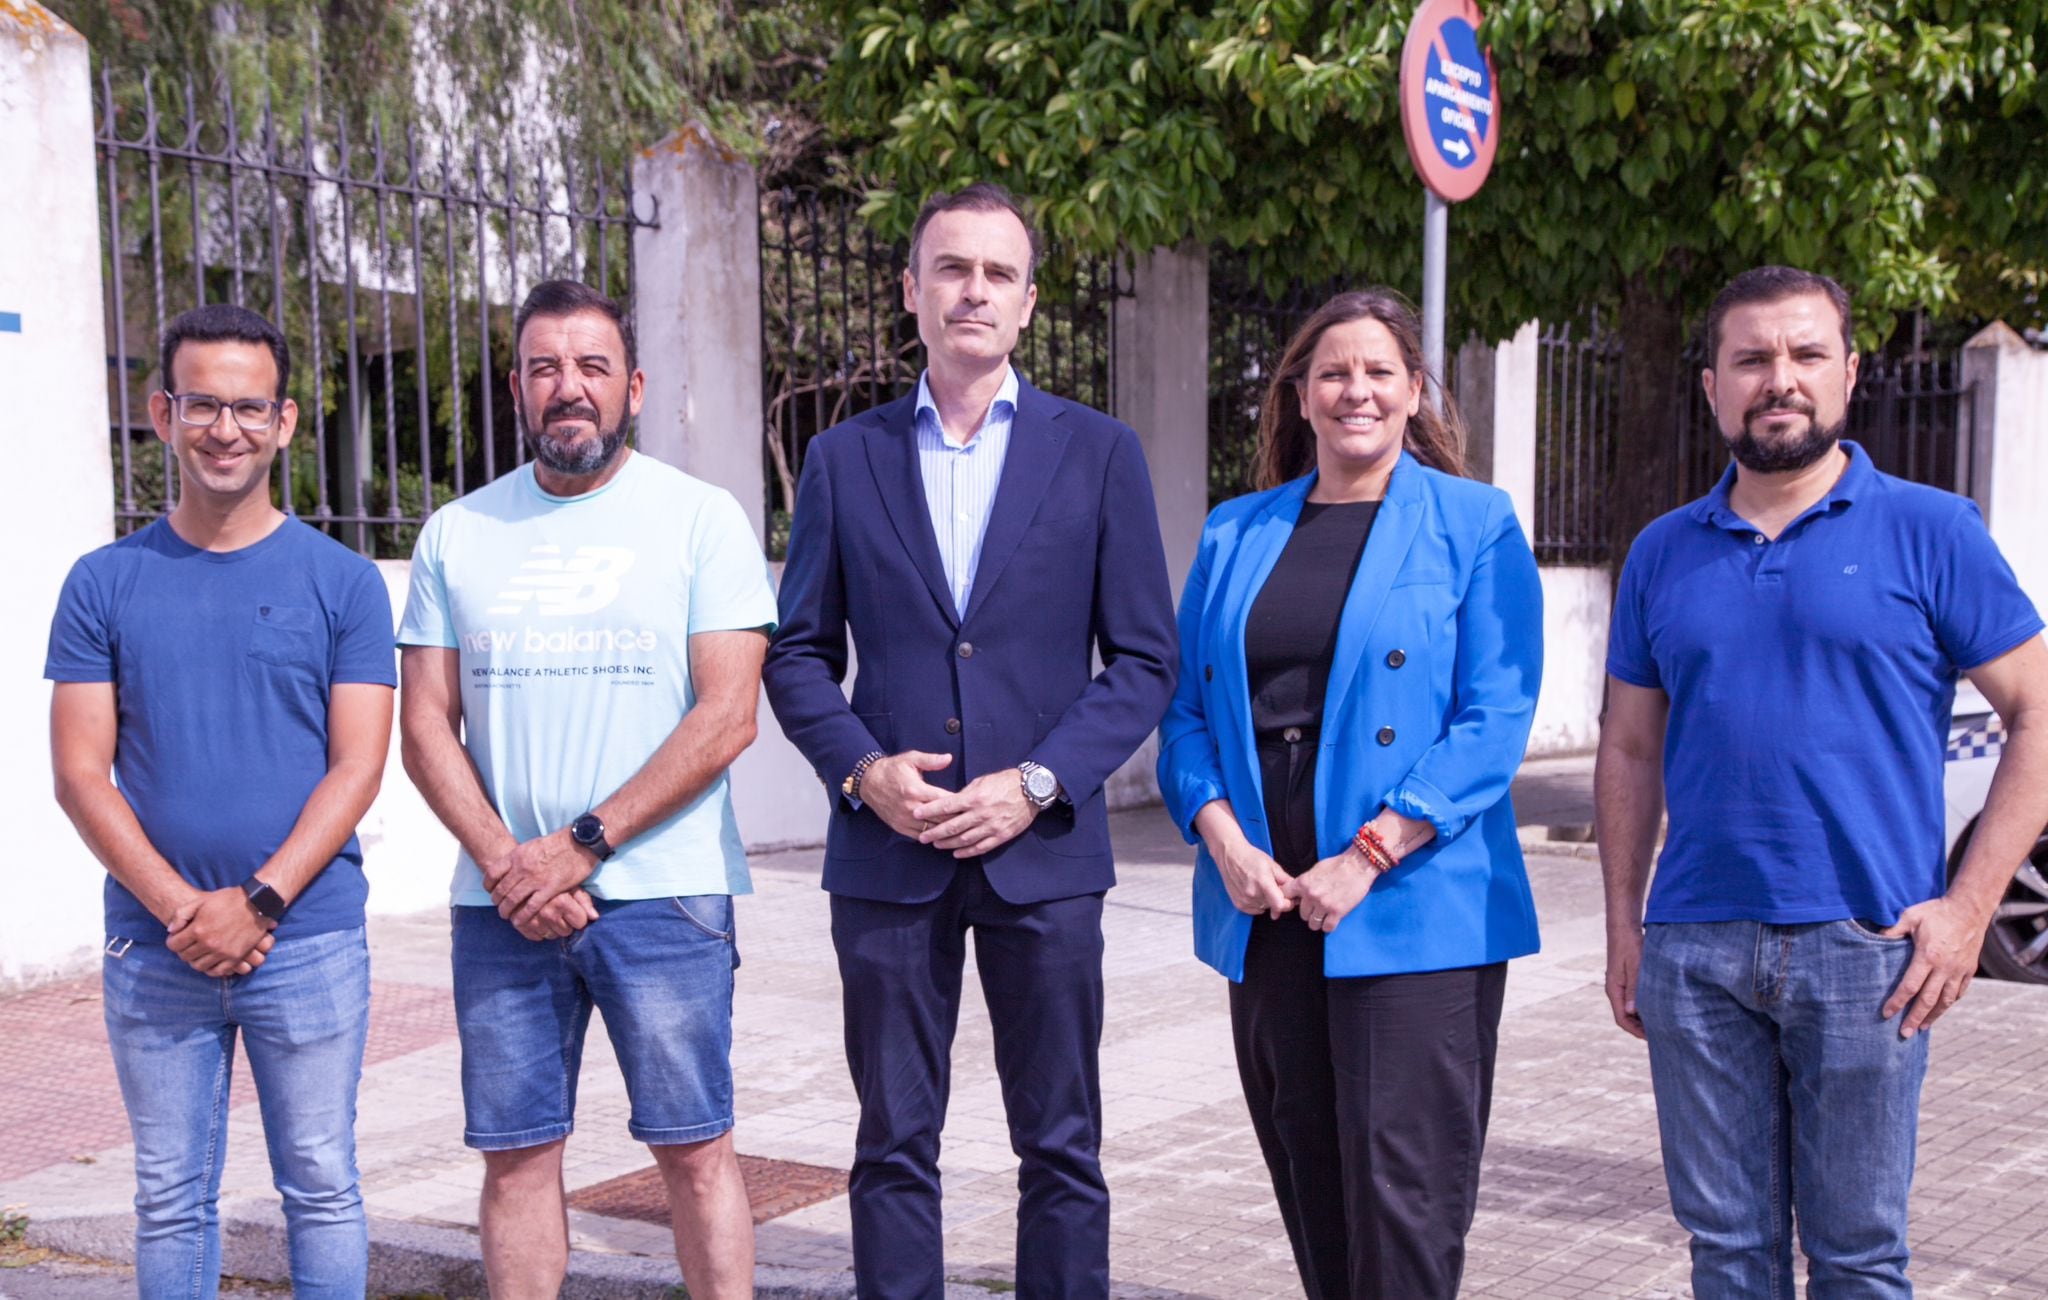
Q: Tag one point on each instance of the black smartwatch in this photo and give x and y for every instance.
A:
(588, 830)
(263, 898)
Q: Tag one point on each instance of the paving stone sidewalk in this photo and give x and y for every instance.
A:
(1572, 1203)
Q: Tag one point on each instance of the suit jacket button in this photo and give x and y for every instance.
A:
(967, 650)
(1386, 736)
(1209, 672)
(1395, 658)
(952, 726)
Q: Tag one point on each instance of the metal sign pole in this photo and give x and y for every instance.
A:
(1450, 117)
(1436, 227)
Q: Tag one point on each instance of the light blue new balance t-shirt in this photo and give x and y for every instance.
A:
(572, 618)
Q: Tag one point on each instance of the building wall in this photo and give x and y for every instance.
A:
(1575, 608)
(56, 503)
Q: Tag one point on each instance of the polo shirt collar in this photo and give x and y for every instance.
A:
(1856, 480)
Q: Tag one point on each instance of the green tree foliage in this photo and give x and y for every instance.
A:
(1650, 149)
(1894, 142)
(615, 75)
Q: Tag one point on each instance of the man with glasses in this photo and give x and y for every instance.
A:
(229, 650)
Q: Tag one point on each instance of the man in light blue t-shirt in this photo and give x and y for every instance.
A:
(582, 656)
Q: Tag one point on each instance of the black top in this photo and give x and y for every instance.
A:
(1291, 636)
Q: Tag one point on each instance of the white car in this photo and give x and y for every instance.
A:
(2016, 946)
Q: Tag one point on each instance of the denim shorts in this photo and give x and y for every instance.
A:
(661, 971)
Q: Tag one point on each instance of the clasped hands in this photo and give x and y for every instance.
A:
(982, 817)
(1324, 894)
(538, 885)
(218, 932)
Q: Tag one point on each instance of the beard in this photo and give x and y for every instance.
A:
(574, 457)
(1791, 452)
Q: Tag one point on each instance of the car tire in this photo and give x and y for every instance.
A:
(2016, 944)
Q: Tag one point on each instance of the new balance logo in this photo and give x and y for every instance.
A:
(556, 586)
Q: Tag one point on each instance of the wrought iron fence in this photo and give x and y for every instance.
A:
(1910, 410)
(1578, 401)
(391, 262)
(837, 341)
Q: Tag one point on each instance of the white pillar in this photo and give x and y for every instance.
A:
(1159, 385)
(52, 348)
(697, 308)
(2006, 381)
(1497, 396)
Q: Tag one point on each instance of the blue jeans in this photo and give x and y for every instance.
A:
(1780, 1088)
(661, 972)
(303, 1015)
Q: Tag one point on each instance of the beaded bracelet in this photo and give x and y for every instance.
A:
(851, 786)
(1373, 848)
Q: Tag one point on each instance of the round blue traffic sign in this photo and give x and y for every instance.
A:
(1450, 99)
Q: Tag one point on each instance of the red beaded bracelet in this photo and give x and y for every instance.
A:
(1374, 849)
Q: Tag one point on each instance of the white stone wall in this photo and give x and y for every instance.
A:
(1575, 608)
(408, 856)
(2009, 385)
(56, 501)
(1515, 367)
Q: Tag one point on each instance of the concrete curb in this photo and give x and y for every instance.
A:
(1536, 839)
(411, 1258)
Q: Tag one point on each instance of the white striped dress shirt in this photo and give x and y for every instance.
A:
(960, 480)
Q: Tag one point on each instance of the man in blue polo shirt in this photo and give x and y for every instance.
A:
(1790, 645)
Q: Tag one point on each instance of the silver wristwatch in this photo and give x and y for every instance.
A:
(1041, 787)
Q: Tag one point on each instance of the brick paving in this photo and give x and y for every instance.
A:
(1572, 1203)
(54, 1060)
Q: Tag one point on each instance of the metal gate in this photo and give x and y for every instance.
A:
(392, 263)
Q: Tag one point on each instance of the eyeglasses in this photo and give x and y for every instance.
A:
(201, 410)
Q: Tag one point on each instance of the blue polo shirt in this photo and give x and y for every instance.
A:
(1811, 680)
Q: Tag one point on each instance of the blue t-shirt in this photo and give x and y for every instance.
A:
(571, 618)
(221, 664)
(1811, 680)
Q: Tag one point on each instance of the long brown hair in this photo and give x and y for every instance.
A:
(1287, 445)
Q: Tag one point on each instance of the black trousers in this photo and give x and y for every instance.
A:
(900, 966)
(1369, 1094)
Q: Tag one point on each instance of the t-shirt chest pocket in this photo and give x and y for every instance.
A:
(285, 636)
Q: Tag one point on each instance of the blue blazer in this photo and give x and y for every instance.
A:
(1434, 731)
(1071, 564)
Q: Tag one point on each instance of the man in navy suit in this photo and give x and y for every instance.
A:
(982, 540)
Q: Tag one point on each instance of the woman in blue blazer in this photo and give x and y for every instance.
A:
(1361, 644)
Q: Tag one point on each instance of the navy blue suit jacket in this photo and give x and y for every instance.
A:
(1071, 564)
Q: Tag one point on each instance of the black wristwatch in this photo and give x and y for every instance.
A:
(588, 830)
(263, 898)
